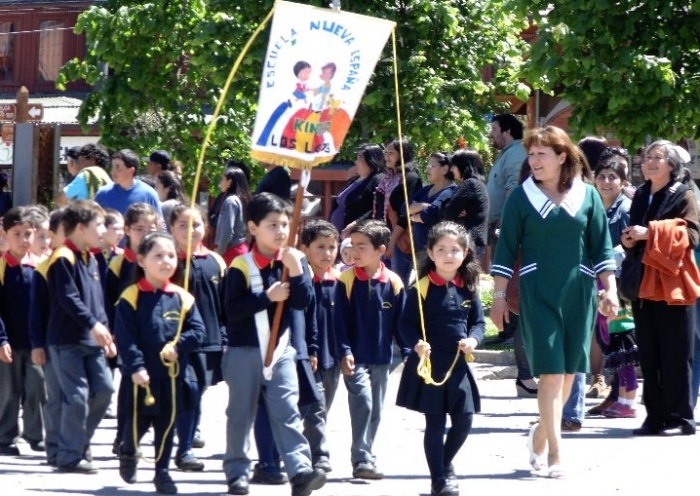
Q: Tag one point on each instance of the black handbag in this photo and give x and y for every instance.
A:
(631, 273)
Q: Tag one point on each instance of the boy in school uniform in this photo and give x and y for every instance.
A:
(319, 242)
(38, 318)
(77, 335)
(252, 290)
(20, 380)
(368, 301)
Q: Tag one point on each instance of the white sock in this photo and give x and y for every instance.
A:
(625, 401)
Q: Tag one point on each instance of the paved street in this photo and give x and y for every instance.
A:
(601, 459)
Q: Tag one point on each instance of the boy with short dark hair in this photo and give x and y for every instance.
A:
(252, 289)
(20, 380)
(319, 242)
(77, 335)
(369, 299)
(38, 319)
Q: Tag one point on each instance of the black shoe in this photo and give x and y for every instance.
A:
(36, 445)
(269, 475)
(9, 450)
(648, 430)
(198, 442)
(164, 483)
(366, 470)
(189, 463)
(686, 427)
(239, 486)
(447, 488)
(51, 462)
(81, 467)
(524, 391)
(306, 482)
(324, 464)
(127, 468)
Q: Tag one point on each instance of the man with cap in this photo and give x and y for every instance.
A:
(87, 166)
(158, 162)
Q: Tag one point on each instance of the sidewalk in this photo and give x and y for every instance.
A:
(601, 459)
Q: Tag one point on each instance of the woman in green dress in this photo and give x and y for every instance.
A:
(557, 223)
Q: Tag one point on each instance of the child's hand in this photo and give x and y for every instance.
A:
(291, 258)
(169, 353)
(6, 353)
(110, 350)
(279, 291)
(101, 335)
(313, 361)
(347, 365)
(467, 345)
(38, 356)
(422, 348)
(140, 378)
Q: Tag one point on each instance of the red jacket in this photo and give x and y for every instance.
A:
(670, 273)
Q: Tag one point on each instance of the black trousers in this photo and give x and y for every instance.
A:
(665, 339)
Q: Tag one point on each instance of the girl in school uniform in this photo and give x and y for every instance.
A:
(205, 283)
(454, 325)
(146, 328)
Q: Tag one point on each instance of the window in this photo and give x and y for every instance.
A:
(50, 49)
(7, 40)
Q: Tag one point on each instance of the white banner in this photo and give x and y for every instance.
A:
(315, 72)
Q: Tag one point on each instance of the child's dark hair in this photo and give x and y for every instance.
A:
(318, 229)
(80, 212)
(266, 203)
(239, 185)
(300, 66)
(39, 215)
(138, 210)
(112, 217)
(17, 216)
(146, 245)
(182, 207)
(470, 269)
(56, 219)
(376, 230)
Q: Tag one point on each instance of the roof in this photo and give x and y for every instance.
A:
(58, 109)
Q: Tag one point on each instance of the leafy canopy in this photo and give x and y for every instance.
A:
(630, 66)
(167, 61)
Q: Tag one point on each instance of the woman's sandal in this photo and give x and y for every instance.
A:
(555, 471)
(538, 462)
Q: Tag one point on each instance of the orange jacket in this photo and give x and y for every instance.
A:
(670, 273)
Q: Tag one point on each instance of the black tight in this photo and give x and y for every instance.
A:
(441, 450)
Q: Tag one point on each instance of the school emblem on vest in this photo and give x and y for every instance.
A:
(172, 316)
(386, 304)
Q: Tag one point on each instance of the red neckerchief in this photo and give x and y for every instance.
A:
(262, 261)
(329, 275)
(362, 274)
(129, 255)
(439, 281)
(84, 254)
(200, 251)
(144, 285)
(28, 259)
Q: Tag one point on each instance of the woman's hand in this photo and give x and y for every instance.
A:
(389, 253)
(346, 232)
(632, 234)
(608, 304)
(499, 312)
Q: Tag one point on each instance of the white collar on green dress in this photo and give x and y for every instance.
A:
(572, 202)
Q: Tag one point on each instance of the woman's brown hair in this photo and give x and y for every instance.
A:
(557, 139)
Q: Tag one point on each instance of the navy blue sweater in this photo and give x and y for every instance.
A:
(15, 288)
(326, 348)
(39, 306)
(147, 319)
(206, 284)
(77, 300)
(367, 314)
(120, 275)
(241, 305)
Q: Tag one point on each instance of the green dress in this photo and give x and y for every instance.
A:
(563, 248)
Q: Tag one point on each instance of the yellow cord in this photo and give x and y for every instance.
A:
(424, 366)
(173, 367)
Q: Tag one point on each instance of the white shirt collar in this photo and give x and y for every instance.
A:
(572, 202)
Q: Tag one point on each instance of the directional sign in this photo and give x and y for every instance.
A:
(8, 112)
(35, 111)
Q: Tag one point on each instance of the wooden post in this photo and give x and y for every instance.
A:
(22, 105)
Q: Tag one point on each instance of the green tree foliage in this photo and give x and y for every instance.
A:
(630, 66)
(167, 61)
